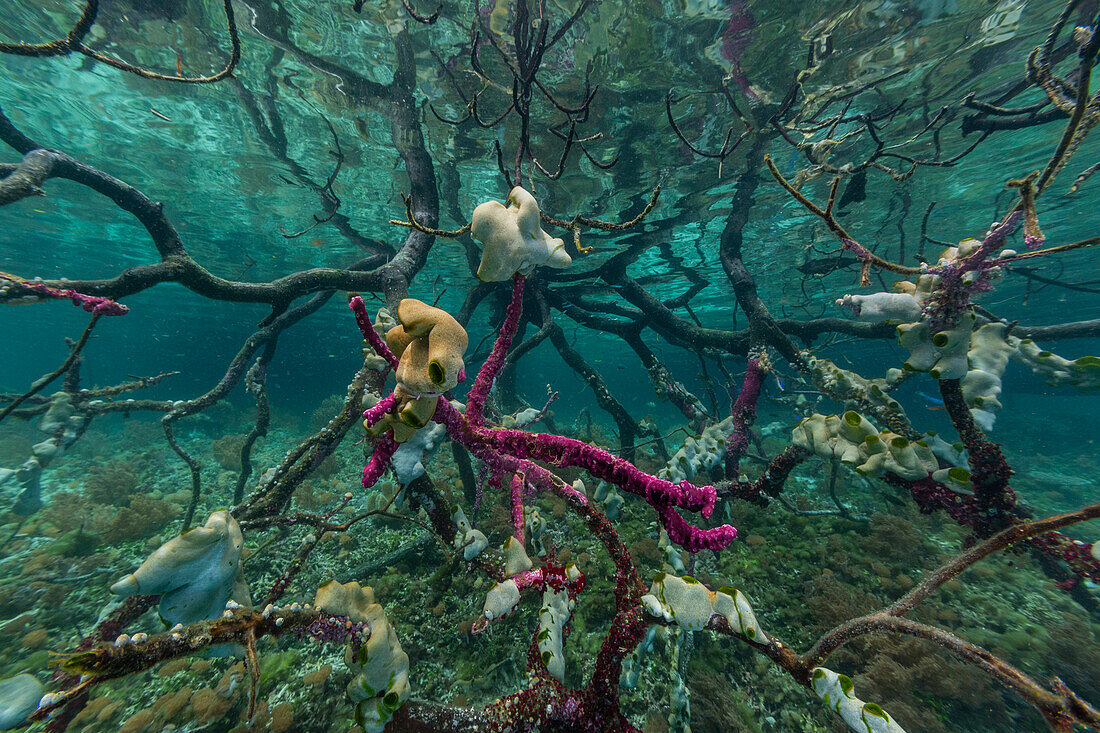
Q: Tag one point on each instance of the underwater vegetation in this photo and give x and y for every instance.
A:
(656, 468)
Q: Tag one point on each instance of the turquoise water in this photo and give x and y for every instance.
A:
(283, 177)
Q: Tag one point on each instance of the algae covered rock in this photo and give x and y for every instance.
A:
(19, 698)
(196, 572)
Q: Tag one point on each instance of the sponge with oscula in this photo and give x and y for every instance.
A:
(690, 604)
(381, 667)
(430, 344)
(409, 414)
(838, 694)
(855, 441)
(981, 387)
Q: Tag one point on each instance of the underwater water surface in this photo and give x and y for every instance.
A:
(818, 271)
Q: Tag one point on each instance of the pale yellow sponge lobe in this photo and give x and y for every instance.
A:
(858, 443)
(516, 559)
(195, 573)
(345, 599)
(380, 666)
(429, 344)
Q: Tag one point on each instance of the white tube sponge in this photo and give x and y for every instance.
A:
(380, 666)
(679, 702)
(472, 541)
(554, 614)
(408, 459)
(942, 354)
(879, 307)
(916, 338)
(953, 454)
(196, 572)
(58, 414)
(701, 452)
(513, 239)
(1082, 373)
(955, 478)
(952, 345)
(521, 419)
(691, 605)
(981, 387)
(674, 559)
(501, 600)
(515, 557)
(843, 385)
(613, 505)
(837, 692)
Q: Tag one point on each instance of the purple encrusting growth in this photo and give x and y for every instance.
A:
(662, 495)
(518, 484)
(954, 292)
(95, 304)
(735, 40)
(362, 319)
(376, 466)
(744, 414)
(379, 410)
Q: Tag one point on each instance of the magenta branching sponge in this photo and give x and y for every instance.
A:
(491, 444)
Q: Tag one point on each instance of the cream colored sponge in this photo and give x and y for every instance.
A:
(838, 693)
(513, 239)
(690, 604)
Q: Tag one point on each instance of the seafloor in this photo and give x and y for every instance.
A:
(116, 497)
